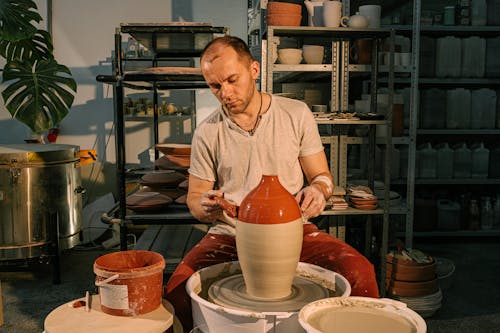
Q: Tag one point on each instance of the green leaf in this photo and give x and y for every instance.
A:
(38, 47)
(16, 18)
(39, 93)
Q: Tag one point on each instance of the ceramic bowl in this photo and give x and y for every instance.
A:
(313, 54)
(290, 56)
(283, 19)
(283, 8)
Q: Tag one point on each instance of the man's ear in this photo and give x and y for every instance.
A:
(255, 69)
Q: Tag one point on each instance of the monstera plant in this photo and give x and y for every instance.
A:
(39, 91)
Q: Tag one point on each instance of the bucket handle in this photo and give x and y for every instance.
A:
(104, 282)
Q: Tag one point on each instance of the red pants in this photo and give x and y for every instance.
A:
(318, 248)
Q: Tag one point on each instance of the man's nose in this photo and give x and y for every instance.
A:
(225, 91)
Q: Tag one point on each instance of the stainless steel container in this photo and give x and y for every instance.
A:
(39, 185)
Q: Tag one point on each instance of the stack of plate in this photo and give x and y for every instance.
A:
(426, 306)
(364, 203)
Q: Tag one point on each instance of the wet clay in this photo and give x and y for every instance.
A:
(359, 320)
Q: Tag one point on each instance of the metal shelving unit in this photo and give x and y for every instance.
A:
(337, 73)
(415, 31)
(164, 41)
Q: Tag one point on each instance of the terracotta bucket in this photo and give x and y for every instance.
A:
(130, 282)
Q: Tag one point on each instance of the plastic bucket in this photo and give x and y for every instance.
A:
(130, 282)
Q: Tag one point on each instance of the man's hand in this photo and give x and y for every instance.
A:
(210, 208)
(311, 200)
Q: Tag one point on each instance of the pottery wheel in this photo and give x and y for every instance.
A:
(231, 292)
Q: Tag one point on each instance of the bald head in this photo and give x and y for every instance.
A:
(215, 48)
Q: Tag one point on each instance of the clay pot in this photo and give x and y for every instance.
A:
(407, 270)
(279, 19)
(284, 8)
(269, 239)
(412, 288)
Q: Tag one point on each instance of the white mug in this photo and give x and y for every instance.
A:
(372, 12)
(332, 12)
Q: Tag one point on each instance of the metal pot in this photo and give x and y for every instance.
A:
(39, 186)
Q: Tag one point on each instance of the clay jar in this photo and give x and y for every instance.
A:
(269, 239)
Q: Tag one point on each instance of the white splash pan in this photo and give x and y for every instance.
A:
(216, 317)
(359, 315)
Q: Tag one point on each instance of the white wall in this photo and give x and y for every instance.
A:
(83, 34)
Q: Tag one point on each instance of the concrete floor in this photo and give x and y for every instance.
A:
(470, 305)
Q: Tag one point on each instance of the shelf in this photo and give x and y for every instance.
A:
(382, 69)
(147, 81)
(461, 82)
(171, 215)
(451, 181)
(492, 131)
(160, 117)
(457, 233)
(303, 68)
(445, 30)
(350, 122)
(356, 140)
(399, 210)
(341, 32)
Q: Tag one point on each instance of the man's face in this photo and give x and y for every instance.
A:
(230, 78)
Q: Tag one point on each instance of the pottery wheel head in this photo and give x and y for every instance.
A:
(231, 292)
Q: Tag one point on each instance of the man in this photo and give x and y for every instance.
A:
(252, 134)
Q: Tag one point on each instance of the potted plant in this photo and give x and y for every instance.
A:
(39, 91)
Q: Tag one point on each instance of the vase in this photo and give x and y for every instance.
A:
(269, 239)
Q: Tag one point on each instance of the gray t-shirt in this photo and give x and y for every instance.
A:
(235, 160)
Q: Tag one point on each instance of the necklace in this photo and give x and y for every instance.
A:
(259, 116)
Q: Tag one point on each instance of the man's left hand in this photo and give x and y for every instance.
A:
(311, 200)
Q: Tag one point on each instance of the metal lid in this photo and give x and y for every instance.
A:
(38, 154)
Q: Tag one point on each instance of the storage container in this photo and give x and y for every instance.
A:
(473, 56)
(433, 108)
(427, 161)
(458, 108)
(462, 157)
(40, 185)
(444, 161)
(448, 57)
(448, 215)
(480, 160)
(478, 12)
(492, 65)
(493, 8)
(427, 56)
(483, 108)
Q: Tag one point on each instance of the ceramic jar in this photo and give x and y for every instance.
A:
(269, 239)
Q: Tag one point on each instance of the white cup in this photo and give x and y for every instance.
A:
(332, 12)
(372, 12)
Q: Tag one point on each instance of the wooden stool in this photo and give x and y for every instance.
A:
(66, 318)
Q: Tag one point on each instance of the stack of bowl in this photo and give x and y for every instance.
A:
(414, 283)
(283, 14)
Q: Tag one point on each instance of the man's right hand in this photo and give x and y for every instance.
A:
(210, 207)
